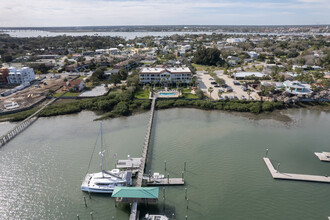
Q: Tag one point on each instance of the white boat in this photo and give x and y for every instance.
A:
(105, 181)
(155, 217)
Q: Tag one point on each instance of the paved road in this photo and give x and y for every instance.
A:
(204, 83)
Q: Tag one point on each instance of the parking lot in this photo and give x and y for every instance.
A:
(205, 81)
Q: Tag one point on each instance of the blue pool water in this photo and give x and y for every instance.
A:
(167, 93)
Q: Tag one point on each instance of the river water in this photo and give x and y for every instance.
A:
(132, 35)
(41, 170)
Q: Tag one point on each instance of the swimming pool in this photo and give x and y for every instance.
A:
(167, 93)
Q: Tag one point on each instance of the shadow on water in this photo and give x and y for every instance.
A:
(151, 143)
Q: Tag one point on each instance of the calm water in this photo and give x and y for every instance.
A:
(41, 170)
(132, 35)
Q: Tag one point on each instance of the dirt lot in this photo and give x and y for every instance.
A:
(32, 94)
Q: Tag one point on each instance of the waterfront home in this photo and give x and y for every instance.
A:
(19, 76)
(297, 88)
(77, 85)
(165, 75)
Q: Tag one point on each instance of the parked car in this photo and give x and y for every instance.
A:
(229, 89)
(221, 98)
(221, 90)
(243, 88)
(214, 83)
(216, 86)
(211, 79)
(235, 97)
(236, 82)
(231, 97)
(226, 97)
(251, 98)
(243, 97)
(224, 85)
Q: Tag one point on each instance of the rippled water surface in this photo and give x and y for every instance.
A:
(41, 169)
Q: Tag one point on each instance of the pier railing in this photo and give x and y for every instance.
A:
(22, 125)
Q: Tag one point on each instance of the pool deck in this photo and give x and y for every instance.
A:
(173, 94)
(290, 176)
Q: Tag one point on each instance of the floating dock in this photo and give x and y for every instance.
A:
(291, 176)
(131, 163)
(164, 181)
(324, 156)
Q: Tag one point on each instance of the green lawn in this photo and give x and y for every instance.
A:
(189, 96)
(142, 94)
(67, 94)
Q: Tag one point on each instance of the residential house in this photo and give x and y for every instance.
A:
(297, 88)
(77, 85)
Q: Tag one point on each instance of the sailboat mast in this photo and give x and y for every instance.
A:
(101, 148)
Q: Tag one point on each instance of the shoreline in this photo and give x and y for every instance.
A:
(264, 110)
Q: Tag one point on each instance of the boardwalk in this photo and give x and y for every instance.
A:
(291, 176)
(22, 125)
(144, 158)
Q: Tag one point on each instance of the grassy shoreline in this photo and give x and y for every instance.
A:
(114, 105)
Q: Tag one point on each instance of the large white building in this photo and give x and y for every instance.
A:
(19, 76)
(165, 75)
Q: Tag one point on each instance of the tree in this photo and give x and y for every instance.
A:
(208, 56)
(199, 93)
(115, 79)
(210, 90)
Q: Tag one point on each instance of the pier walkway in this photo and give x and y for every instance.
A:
(290, 176)
(133, 215)
(22, 125)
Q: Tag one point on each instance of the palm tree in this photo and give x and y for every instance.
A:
(248, 92)
(162, 81)
(210, 90)
(167, 79)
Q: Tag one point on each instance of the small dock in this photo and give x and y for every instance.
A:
(131, 163)
(290, 176)
(324, 156)
(164, 182)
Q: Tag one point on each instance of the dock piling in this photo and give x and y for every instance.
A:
(266, 152)
(85, 201)
(165, 165)
(184, 166)
(187, 202)
(278, 166)
(185, 193)
(168, 178)
(91, 213)
(78, 217)
(182, 176)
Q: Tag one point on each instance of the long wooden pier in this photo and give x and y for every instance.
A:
(133, 215)
(290, 176)
(22, 125)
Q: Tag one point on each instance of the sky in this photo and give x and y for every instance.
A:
(50, 13)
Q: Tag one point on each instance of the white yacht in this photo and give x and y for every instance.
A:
(105, 181)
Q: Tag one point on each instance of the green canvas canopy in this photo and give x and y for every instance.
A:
(136, 192)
